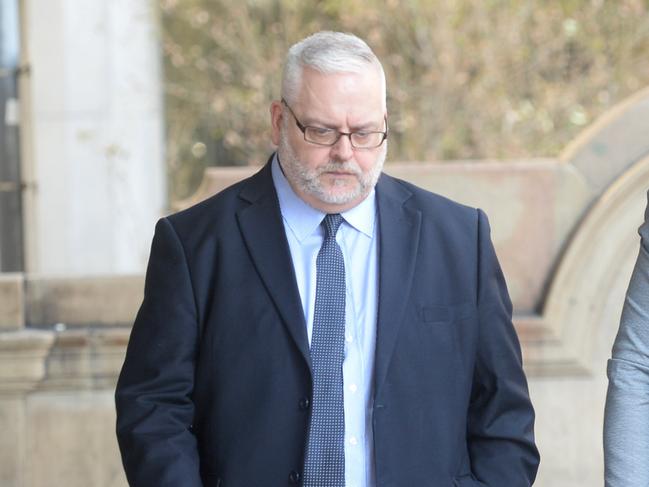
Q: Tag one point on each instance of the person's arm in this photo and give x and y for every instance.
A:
(500, 418)
(154, 403)
(626, 419)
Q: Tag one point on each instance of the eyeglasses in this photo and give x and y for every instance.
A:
(361, 139)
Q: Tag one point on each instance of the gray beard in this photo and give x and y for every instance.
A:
(308, 180)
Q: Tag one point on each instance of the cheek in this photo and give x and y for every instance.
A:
(367, 161)
(311, 158)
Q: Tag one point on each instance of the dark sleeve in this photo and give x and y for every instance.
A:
(154, 403)
(501, 417)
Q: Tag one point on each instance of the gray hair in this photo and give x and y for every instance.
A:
(329, 53)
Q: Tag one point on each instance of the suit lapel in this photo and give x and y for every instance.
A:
(263, 233)
(399, 228)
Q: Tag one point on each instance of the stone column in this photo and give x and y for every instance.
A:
(93, 154)
(22, 367)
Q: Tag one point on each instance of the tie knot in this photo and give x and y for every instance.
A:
(331, 223)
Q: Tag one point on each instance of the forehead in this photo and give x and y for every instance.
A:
(352, 96)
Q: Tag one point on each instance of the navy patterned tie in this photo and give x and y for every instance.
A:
(324, 465)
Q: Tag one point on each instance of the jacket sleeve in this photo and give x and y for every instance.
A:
(154, 403)
(626, 428)
(500, 418)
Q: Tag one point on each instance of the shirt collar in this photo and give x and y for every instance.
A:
(303, 220)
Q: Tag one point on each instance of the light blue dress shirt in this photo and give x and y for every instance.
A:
(626, 419)
(358, 240)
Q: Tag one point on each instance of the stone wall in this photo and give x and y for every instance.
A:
(62, 343)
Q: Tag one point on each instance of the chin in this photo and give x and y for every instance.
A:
(333, 197)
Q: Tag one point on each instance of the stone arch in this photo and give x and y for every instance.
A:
(581, 309)
(585, 296)
(613, 143)
(572, 338)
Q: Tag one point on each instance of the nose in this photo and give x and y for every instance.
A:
(342, 150)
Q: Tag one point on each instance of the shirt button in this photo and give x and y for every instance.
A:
(353, 440)
(294, 477)
(353, 388)
(349, 338)
(304, 403)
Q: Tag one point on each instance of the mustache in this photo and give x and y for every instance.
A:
(348, 166)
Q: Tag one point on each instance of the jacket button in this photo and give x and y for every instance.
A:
(294, 477)
(304, 403)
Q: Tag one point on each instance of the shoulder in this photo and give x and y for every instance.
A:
(217, 214)
(433, 206)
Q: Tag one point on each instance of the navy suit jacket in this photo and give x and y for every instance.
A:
(216, 383)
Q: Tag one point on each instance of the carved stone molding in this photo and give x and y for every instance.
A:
(612, 144)
(22, 359)
(86, 358)
(604, 244)
(12, 311)
(82, 301)
(76, 331)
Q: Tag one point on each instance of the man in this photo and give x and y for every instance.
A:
(626, 419)
(321, 324)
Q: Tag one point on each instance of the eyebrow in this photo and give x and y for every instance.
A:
(371, 126)
(318, 123)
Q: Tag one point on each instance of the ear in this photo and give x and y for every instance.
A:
(276, 114)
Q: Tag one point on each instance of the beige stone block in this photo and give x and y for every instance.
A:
(569, 422)
(93, 301)
(12, 314)
(87, 358)
(71, 440)
(22, 359)
(12, 441)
